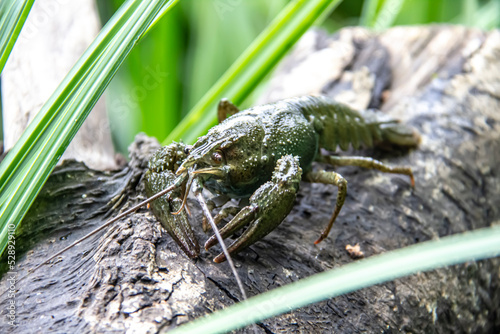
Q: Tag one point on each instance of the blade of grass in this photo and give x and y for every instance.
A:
(482, 17)
(475, 245)
(487, 16)
(236, 25)
(13, 14)
(368, 12)
(146, 93)
(253, 65)
(387, 14)
(29, 163)
(469, 10)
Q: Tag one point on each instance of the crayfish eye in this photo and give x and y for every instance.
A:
(217, 157)
(187, 149)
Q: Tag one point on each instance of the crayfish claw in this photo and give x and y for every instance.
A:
(161, 176)
(269, 205)
(176, 225)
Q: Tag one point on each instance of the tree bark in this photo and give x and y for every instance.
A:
(442, 80)
(54, 36)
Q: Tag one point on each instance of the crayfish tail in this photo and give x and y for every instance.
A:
(400, 135)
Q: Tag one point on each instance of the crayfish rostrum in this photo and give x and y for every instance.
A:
(263, 153)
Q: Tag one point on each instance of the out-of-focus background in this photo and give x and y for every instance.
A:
(197, 41)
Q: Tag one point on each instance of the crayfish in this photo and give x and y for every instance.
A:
(262, 154)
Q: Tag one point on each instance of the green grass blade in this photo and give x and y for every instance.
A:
(368, 12)
(483, 17)
(28, 165)
(387, 14)
(13, 14)
(253, 65)
(236, 25)
(469, 10)
(487, 16)
(145, 94)
(475, 245)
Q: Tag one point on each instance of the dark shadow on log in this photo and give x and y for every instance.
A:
(444, 81)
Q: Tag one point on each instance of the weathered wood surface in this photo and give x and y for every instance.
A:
(444, 81)
(55, 35)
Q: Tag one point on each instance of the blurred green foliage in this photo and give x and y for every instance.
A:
(179, 60)
(193, 45)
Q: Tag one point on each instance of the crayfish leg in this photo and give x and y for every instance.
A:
(367, 162)
(217, 202)
(337, 180)
(244, 218)
(223, 214)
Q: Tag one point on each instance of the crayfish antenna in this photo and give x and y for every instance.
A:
(207, 214)
(229, 259)
(100, 228)
(184, 200)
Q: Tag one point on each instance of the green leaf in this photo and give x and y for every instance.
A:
(13, 14)
(28, 165)
(368, 12)
(146, 95)
(482, 17)
(235, 23)
(469, 9)
(253, 65)
(384, 17)
(468, 246)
